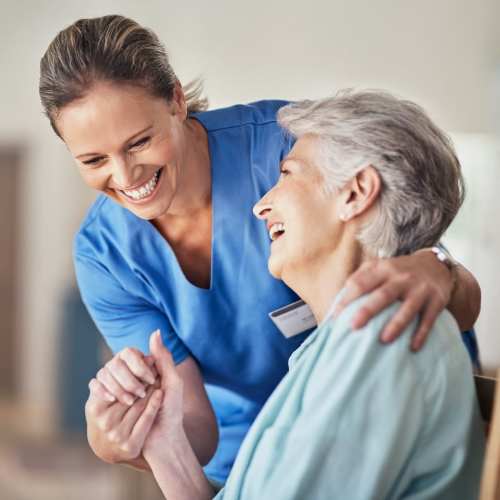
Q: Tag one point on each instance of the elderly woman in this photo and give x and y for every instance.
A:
(369, 177)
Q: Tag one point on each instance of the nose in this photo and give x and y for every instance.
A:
(263, 207)
(123, 172)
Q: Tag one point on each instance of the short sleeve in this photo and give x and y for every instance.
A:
(123, 319)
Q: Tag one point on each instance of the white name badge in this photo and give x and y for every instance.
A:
(293, 319)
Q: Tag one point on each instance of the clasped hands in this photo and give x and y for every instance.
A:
(135, 405)
(136, 401)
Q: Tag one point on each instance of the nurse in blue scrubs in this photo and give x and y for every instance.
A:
(171, 244)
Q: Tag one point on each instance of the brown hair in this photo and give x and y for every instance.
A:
(110, 48)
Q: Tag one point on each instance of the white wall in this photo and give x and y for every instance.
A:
(442, 54)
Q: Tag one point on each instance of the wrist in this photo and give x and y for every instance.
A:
(167, 449)
(446, 261)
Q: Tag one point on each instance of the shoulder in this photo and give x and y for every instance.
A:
(259, 113)
(443, 351)
(106, 222)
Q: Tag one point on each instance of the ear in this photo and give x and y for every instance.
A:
(360, 193)
(179, 104)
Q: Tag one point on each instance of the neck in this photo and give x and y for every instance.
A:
(320, 281)
(194, 184)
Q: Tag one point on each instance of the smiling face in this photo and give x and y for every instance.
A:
(127, 144)
(302, 219)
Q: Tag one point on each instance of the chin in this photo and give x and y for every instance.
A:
(274, 267)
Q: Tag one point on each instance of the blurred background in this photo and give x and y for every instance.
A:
(444, 55)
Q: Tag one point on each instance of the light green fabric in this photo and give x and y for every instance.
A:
(356, 420)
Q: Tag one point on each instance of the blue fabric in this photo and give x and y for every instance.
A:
(132, 284)
(470, 340)
(355, 419)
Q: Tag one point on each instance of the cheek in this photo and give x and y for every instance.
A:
(94, 179)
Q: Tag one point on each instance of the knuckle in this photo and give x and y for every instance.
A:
(129, 449)
(90, 408)
(353, 282)
(114, 436)
(101, 374)
(106, 425)
(407, 277)
(385, 294)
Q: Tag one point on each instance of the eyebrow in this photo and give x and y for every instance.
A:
(128, 140)
(294, 160)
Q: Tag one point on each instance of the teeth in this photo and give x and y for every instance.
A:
(145, 190)
(276, 230)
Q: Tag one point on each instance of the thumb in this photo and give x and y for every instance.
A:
(163, 359)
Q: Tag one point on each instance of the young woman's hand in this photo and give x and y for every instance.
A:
(422, 283)
(120, 410)
(116, 432)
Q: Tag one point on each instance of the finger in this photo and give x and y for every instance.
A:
(133, 413)
(163, 359)
(111, 384)
(406, 313)
(98, 390)
(364, 280)
(426, 323)
(147, 418)
(137, 364)
(377, 301)
(150, 361)
(122, 374)
(110, 421)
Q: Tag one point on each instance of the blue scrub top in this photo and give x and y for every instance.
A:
(132, 284)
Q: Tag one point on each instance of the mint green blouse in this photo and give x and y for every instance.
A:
(356, 420)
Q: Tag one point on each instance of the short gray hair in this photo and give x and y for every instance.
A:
(422, 184)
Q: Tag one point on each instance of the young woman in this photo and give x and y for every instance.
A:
(171, 243)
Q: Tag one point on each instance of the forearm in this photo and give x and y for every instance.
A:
(465, 302)
(203, 436)
(178, 471)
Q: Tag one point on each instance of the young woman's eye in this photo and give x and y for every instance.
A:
(92, 161)
(284, 172)
(140, 142)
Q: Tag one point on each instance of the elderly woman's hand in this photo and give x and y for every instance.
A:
(422, 283)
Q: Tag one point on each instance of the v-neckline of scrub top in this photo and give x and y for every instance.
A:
(178, 267)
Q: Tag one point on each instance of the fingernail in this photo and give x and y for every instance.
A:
(141, 393)
(110, 398)
(129, 400)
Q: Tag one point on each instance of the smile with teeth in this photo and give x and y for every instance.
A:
(276, 230)
(145, 190)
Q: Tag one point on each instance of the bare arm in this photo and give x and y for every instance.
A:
(178, 472)
(465, 302)
(167, 448)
